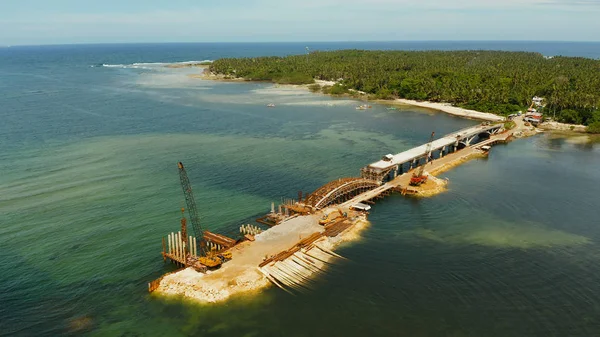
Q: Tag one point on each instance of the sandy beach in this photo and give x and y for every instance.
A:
(450, 109)
(207, 74)
(444, 107)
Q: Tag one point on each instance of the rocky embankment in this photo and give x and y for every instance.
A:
(556, 126)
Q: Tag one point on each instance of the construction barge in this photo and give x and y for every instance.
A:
(300, 235)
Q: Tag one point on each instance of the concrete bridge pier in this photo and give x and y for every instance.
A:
(467, 141)
(396, 169)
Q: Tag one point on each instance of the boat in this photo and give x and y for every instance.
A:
(270, 105)
(363, 107)
(361, 207)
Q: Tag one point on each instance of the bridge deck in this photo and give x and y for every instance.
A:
(403, 180)
(419, 151)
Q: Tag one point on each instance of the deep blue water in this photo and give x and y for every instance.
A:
(88, 185)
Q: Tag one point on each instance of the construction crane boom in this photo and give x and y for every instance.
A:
(191, 206)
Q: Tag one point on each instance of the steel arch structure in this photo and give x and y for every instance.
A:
(338, 191)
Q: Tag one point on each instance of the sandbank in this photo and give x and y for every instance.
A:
(450, 109)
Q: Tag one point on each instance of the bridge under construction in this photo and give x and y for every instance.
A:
(393, 165)
(392, 171)
(287, 262)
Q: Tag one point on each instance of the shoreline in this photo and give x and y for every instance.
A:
(447, 108)
(442, 107)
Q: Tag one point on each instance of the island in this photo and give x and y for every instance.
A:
(497, 82)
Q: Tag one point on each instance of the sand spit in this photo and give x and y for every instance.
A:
(241, 275)
(457, 162)
(432, 187)
(435, 185)
(453, 110)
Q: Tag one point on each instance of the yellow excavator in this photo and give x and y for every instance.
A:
(213, 258)
(209, 257)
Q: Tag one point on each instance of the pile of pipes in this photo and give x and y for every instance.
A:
(295, 271)
(249, 229)
(178, 247)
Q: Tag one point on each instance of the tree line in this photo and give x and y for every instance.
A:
(490, 81)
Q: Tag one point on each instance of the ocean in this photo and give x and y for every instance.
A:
(90, 138)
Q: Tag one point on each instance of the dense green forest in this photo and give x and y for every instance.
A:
(490, 81)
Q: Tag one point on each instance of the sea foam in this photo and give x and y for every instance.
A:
(148, 65)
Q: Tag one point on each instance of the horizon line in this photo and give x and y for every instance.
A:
(279, 42)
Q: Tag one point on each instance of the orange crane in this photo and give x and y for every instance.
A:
(418, 176)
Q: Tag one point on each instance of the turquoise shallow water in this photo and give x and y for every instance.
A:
(88, 185)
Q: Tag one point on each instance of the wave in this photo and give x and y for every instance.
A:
(323, 103)
(132, 65)
(148, 65)
(193, 62)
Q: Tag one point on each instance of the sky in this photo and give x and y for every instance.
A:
(26, 22)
